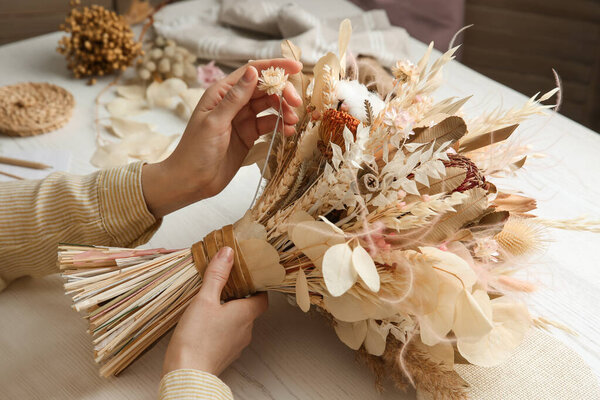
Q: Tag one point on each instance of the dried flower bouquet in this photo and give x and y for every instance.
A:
(378, 212)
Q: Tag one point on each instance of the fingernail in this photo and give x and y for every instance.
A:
(248, 75)
(226, 253)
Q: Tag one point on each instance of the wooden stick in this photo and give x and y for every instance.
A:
(23, 163)
(11, 175)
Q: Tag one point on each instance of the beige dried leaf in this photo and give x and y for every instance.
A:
(448, 224)
(454, 273)
(376, 338)
(313, 238)
(471, 316)
(451, 180)
(148, 146)
(263, 263)
(165, 94)
(471, 143)
(297, 217)
(436, 325)
(110, 155)
(352, 334)
(422, 298)
(349, 308)
(321, 73)
(511, 321)
(122, 127)
(302, 295)
(344, 35)
(449, 130)
(189, 99)
(308, 143)
(122, 107)
(338, 272)
(132, 92)
(365, 268)
(450, 264)
(247, 228)
(257, 155)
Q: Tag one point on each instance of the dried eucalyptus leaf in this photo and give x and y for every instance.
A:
(263, 263)
(470, 320)
(511, 322)
(352, 334)
(313, 238)
(365, 268)
(338, 272)
(376, 338)
(302, 295)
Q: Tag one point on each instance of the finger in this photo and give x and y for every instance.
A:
(236, 98)
(289, 115)
(267, 124)
(256, 305)
(216, 275)
(262, 103)
(291, 95)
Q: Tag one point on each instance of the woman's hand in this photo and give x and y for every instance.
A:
(222, 129)
(211, 335)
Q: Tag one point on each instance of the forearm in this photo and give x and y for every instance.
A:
(103, 208)
(165, 190)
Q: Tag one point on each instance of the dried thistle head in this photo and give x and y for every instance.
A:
(520, 236)
(272, 80)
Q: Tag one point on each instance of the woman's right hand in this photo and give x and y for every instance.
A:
(211, 335)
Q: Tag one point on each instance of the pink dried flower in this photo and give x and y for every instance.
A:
(209, 74)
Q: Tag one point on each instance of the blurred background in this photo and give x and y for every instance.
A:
(515, 42)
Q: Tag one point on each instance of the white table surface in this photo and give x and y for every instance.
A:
(292, 356)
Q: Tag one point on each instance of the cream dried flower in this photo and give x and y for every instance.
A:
(405, 71)
(272, 80)
(398, 122)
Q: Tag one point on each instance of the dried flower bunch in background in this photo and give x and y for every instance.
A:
(380, 212)
(164, 59)
(99, 43)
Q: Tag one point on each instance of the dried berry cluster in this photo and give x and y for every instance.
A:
(100, 41)
(164, 60)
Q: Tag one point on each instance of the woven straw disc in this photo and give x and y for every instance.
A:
(28, 109)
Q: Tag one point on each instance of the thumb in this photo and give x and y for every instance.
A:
(216, 275)
(238, 96)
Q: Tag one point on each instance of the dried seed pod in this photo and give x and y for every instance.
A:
(150, 66)
(164, 65)
(156, 54)
(169, 51)
(177, 70)
(144, 74)
(164, 59)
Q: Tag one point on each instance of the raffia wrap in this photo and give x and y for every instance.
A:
(240, 283)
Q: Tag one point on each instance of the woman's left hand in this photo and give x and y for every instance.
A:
(218, 136)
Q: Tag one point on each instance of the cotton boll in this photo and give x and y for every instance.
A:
(354, 95)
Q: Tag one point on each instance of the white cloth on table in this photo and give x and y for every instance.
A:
(233, 32)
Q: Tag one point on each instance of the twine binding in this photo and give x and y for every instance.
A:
(240, 283)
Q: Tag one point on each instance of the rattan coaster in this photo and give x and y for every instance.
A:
(28, 109)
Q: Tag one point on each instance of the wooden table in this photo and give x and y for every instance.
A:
(45, 352)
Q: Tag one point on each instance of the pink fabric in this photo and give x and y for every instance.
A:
(426, 20)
